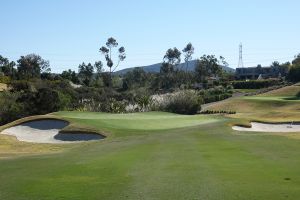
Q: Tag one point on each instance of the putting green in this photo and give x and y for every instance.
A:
(137, 121)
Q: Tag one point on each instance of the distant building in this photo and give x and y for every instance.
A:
(258, 72)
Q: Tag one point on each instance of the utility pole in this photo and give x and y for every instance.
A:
(241, 63)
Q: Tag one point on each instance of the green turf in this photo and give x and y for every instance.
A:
(161, 156)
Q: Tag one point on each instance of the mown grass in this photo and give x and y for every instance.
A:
(163, 156)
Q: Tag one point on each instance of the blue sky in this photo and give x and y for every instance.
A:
(68, 32)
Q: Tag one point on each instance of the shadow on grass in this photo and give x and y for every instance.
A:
(291, 98)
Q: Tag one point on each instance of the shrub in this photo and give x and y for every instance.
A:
(116, 106)
(294, 73)
(185, 102)
(46, 100)
(20, 85)
(255, 84)
(10, 109)
(217, 112)
(4, 79)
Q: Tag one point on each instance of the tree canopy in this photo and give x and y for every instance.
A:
(32, 65)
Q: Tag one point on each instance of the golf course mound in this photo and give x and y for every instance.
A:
(270, 127)
(48, 131)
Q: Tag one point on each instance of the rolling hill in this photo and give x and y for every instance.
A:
(155, 68)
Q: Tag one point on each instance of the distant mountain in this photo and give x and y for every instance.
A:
(155, 68)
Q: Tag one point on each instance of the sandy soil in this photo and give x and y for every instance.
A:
(271, 128)
(47, 131)
(3, 87)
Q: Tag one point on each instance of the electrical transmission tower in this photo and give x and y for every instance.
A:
(241, 63)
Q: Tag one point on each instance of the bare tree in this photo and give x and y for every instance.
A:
(107, 52)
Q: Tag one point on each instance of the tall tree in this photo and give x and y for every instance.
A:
(70, 75)
(7, 67)
(296, 60)
(170, 60)
(188, 52)
(294, 71)
(209, 65)
(85, 72)
(167, 69)
(32, 65)
(107, 52)
(99, 68)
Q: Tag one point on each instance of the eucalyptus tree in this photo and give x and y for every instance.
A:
(171, 60)
(107, 51)
(188, 52)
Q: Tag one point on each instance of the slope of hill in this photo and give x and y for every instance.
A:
(277, 105)
(155, 68)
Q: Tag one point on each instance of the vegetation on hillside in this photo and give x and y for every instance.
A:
(33, 89)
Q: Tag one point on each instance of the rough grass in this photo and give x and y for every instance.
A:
(276, 105)
(285, 91)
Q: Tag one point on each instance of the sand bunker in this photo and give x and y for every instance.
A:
(267, 127)
(48, 131)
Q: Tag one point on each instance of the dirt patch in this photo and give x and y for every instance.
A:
(3, 87)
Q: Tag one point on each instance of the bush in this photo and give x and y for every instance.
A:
(117, 106)
(217, 112)
(255, 84)
(4, 79)
(47, 100)
(294, 74)
(185, 102)
(20, 85)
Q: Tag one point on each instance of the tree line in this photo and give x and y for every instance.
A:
(33, 89)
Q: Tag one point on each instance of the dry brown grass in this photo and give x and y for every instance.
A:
(285, 91)
(11, 147)
(3, 87)
(262, 108)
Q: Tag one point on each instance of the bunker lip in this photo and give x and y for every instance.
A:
(49, 131)
(280, 127)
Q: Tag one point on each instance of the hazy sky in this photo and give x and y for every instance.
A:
(68, 32)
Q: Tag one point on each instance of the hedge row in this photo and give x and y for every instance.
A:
(217, 112)
(255, 84)
(214, 98)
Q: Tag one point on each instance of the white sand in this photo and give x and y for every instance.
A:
(271, 128)
(46, 131)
